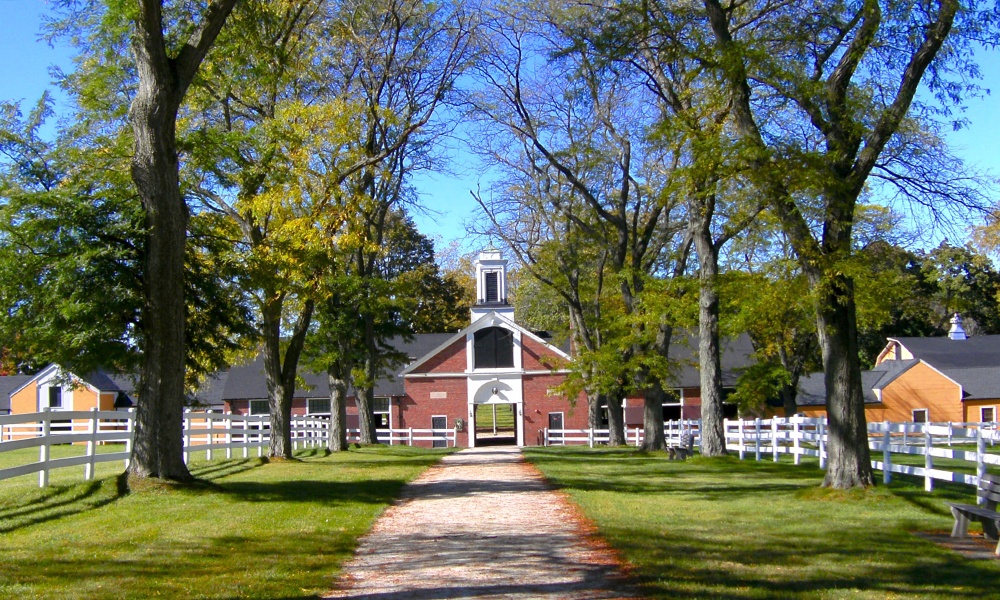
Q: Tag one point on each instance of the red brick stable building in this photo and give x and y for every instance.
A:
(493, 361)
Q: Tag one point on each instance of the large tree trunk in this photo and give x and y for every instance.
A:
(713, 439)
(366, 415)
(849, 462)
(280, 375)
(163, 82)
(789, 393)
(652, 419)
(338, 407)
(616, 419)
(594, 410)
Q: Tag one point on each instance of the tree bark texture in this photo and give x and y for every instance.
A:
(594, 411)
(366, 415)
(616, 419)
(652, 419)
(163, 82)
(338, 408)
(713, 439)
(849, 461)
(280, 375)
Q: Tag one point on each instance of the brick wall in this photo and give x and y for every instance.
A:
(417, 407)
(449, 360)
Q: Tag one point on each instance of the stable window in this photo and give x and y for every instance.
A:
(380, 408)
(317, 406)
(493, 348)
(920, 415)
(988, 414)
(259, 407)
(55, 397)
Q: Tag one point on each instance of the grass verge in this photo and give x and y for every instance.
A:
(724, 528)
(248, 529)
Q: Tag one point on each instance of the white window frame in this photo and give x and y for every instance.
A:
(982, 416)
(250, 410)
(927, 415)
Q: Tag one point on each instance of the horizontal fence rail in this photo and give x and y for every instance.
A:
(804, 436)
(215, 434)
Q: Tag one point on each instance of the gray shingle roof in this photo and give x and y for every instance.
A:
(812, 387)
(247, 381)
(8, 384)
(736, 355)
(977, 383)
(946, 353)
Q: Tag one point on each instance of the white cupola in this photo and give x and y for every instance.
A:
(491, 285)
(956, 332)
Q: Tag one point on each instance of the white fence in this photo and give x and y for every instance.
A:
(211, 433)
(801, 436)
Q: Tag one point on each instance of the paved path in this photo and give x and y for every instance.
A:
(482, 524)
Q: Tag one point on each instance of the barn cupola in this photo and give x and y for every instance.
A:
(491, 285)
(957, 332)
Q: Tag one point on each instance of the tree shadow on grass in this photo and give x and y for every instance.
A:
(685, 564)
(58, 503)
(370, 491)
(228, 566)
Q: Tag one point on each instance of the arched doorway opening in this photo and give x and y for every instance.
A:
(496, 424)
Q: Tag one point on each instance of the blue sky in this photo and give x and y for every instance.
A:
(24, 75)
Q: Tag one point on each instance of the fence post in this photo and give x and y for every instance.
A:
(980, 465)
(88, 470)
(951, 432)
(187, 433)
(774, 438)
(43, 450)
(454, 441)
(129, 434)
(545, 436)
(739, 438)
(228, 422)
(929, 460)
(756, 424)
(796, 447)
(886, 454)
(822, 442)
(590, 437)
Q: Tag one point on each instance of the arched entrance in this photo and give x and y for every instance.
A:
(496, 424)
(496, 413)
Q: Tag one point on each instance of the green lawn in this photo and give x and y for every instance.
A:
(251, 529)
(504, 417)
(730, 529)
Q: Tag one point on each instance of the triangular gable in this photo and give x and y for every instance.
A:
(491, 319)
(47, 371)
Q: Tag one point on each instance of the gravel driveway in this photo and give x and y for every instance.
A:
(481, 524)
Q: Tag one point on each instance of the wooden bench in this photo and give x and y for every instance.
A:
(989, 490)
(684, 449)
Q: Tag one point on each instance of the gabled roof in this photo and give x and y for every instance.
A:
(8, 385)
(977, 383)
(247, 381)
(945, 353)
(812, 388)
(491, 319)
(735, 354)
(100, 380)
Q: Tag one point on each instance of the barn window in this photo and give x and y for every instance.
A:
(920, 415)
(494, 348)
(988, 414)
(317, 406)
(55, 396)
(260, 407)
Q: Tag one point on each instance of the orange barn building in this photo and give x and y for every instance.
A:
(954, 378)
